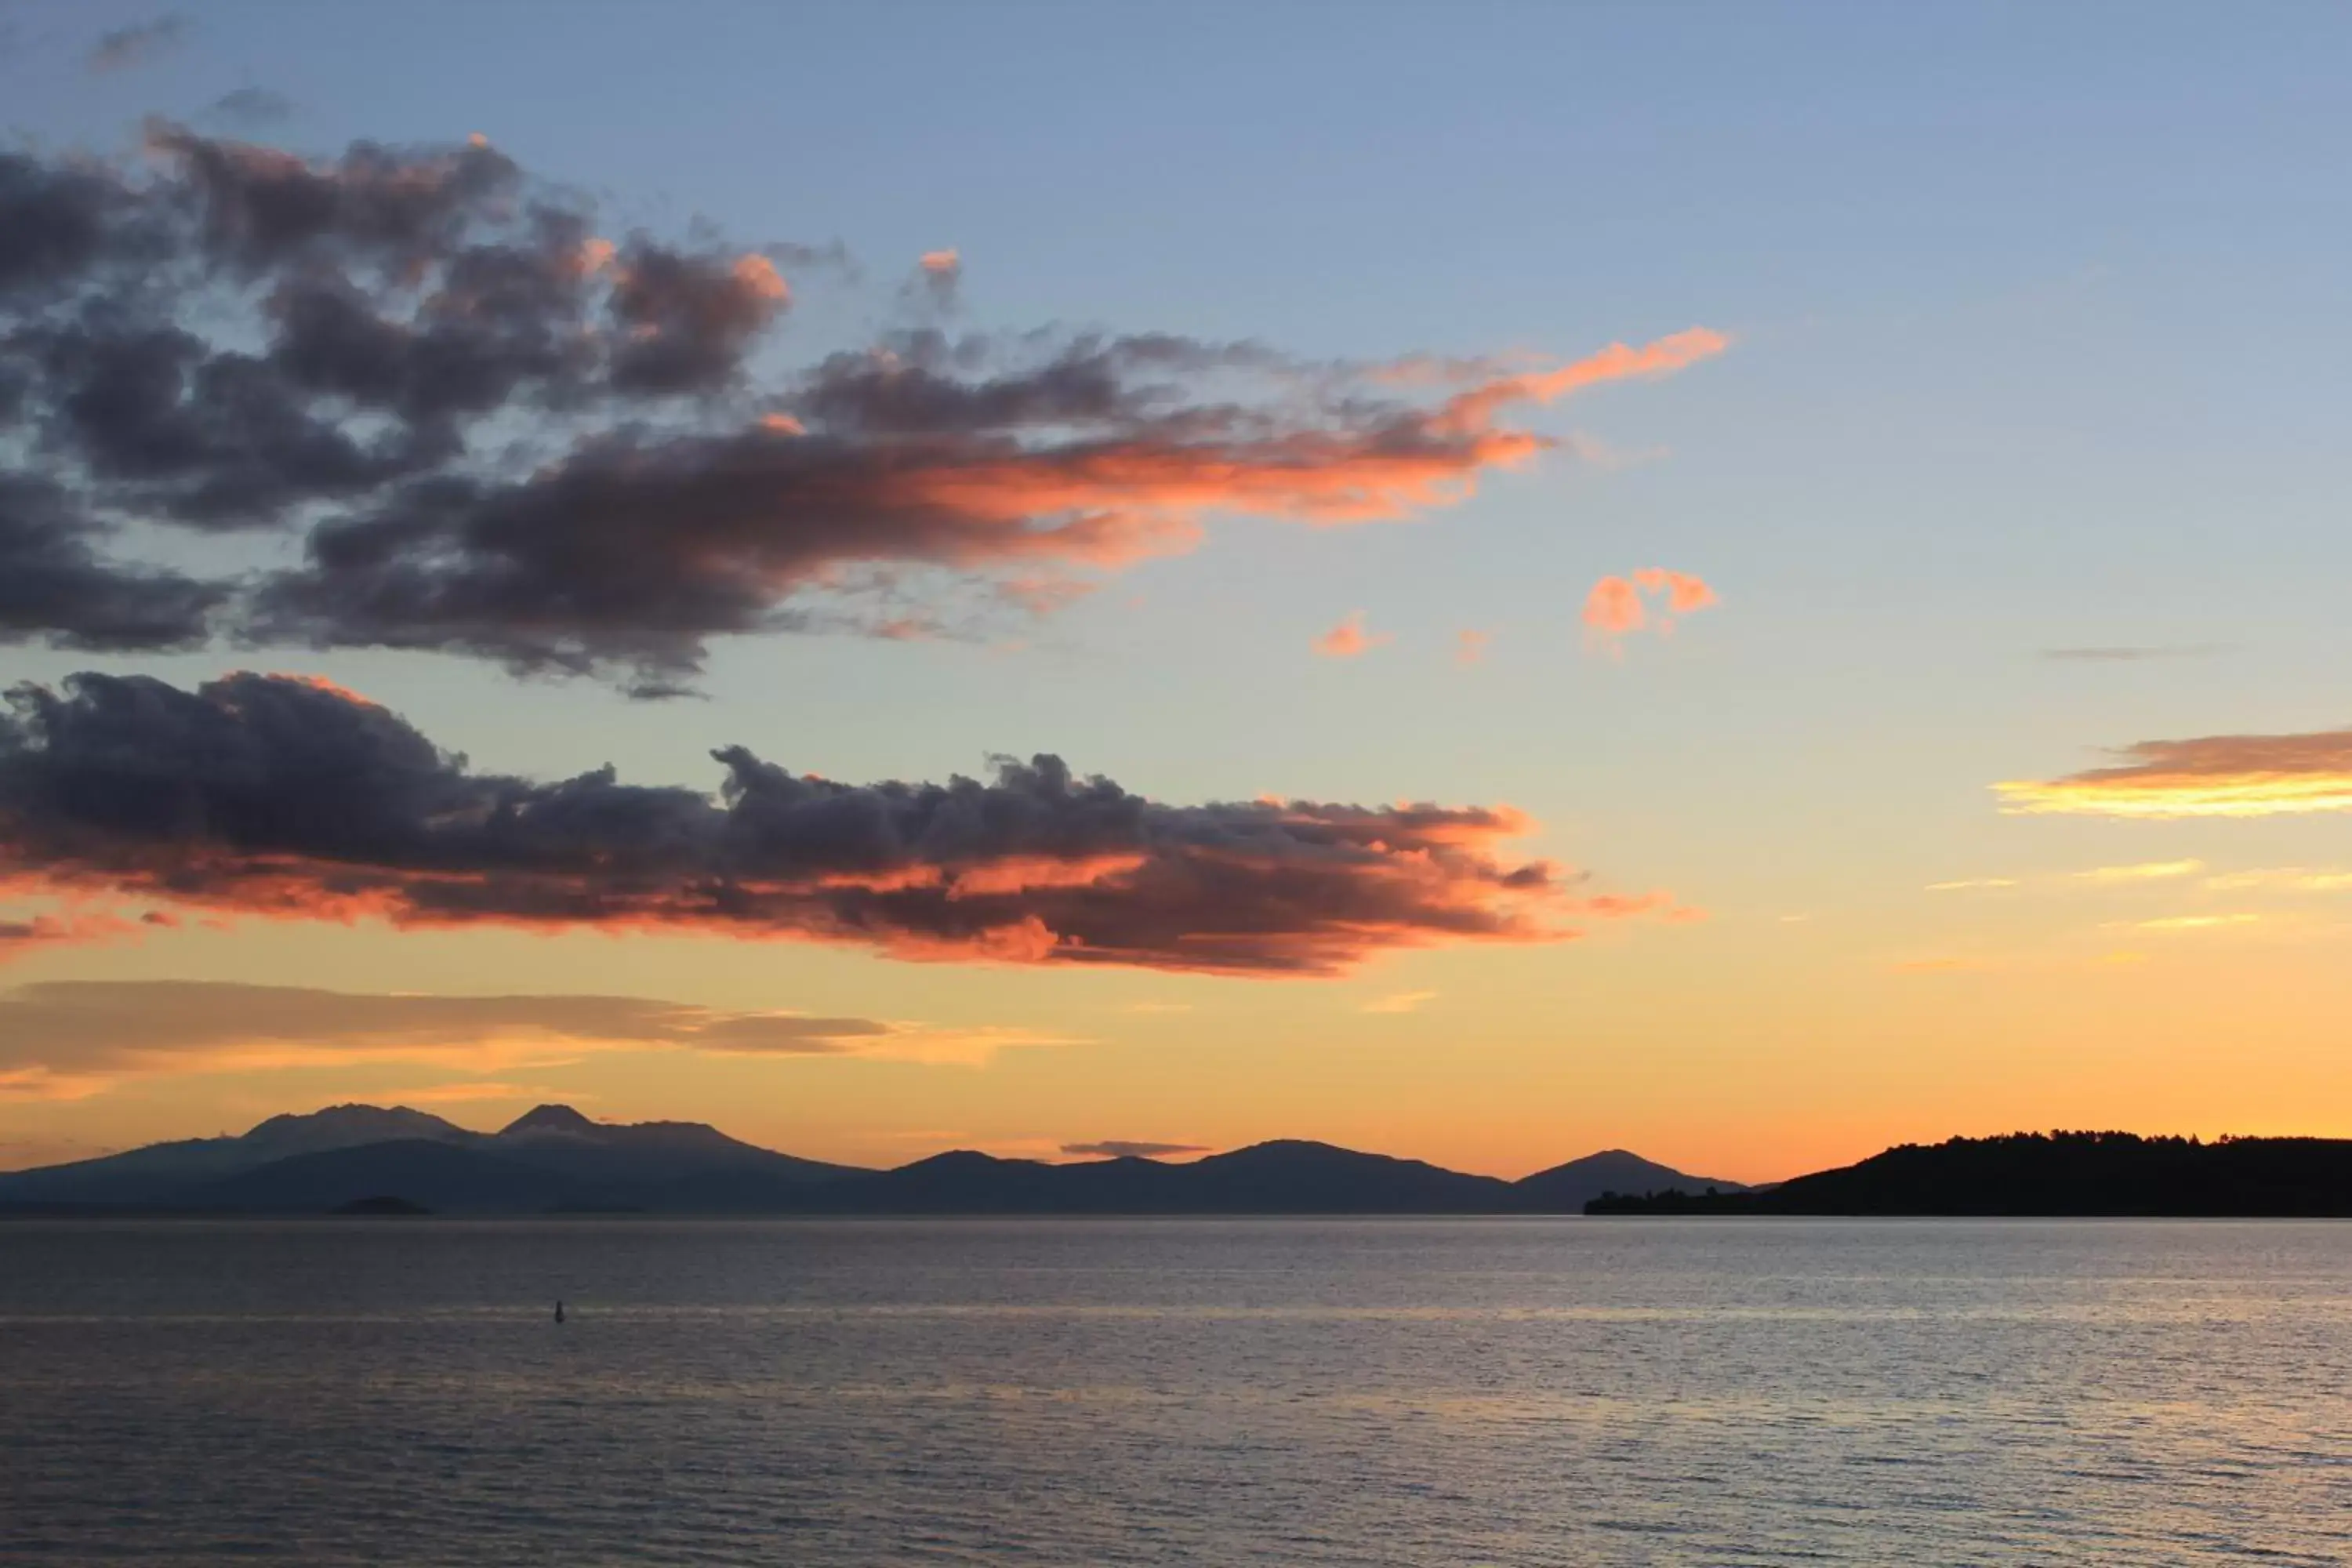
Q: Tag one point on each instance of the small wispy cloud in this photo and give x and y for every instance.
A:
(1348, 639)
(1940, 965)
(2146, 871)
(2282, 879)
(137, 43)
(938, 275)
(1470, 647)
(1132, 1149)
(252, 106)
(67, 1039)
(2127, 655)
(1594, 452)
(1400, 1002)
(2210, 775)
(2188, 922)
(2097, 877)
(470, 1093)
(1155, 1008)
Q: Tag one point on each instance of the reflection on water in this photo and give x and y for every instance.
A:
(1161, 1392)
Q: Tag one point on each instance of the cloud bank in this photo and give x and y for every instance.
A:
(279, 798)
(67, 1039)
(487, 424)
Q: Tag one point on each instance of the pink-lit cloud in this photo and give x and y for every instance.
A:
(1348, 639)
(1651, 599)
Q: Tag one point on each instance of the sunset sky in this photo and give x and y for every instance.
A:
(1747, 587)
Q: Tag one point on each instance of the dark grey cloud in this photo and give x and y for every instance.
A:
(61, 224)
(280, 797)
(137, 43)
(1129, 1149)
(433, 284)
(245, 338)
(685, 322)
(1018, 461)
(251, 107)
(167, 429)
(492, 428)
(56, 587)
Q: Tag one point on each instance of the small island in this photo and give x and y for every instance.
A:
(384, 1205)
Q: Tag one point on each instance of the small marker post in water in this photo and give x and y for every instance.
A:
(559, 1311)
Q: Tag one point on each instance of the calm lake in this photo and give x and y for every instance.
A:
(1216, 1392)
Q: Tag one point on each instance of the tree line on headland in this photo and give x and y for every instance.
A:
(2116, 1174)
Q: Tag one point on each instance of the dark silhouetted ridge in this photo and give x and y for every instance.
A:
(2113, 1174)
(558, 1119)
(554, 1159)
(1568, 1188)
(330, 1157)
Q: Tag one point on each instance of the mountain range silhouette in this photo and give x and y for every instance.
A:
(373, 1159)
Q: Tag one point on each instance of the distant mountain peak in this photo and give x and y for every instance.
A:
(549, 1118)
(1568, 1188)
(335, 1126)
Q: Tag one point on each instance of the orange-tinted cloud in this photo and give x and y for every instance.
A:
(24, 935)
(1475, 410)
(1470, 647)
(1399, 1002)
(320, 683)
(1348, 639)
(1613, 610)
(939, 276)
(1652, 599)
(274, 799)
(1625, 906)
(2215, 776)
(1683, 593)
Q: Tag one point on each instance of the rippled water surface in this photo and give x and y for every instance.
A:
(1161, 1392)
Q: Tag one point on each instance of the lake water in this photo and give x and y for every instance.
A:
(1570, 1392)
